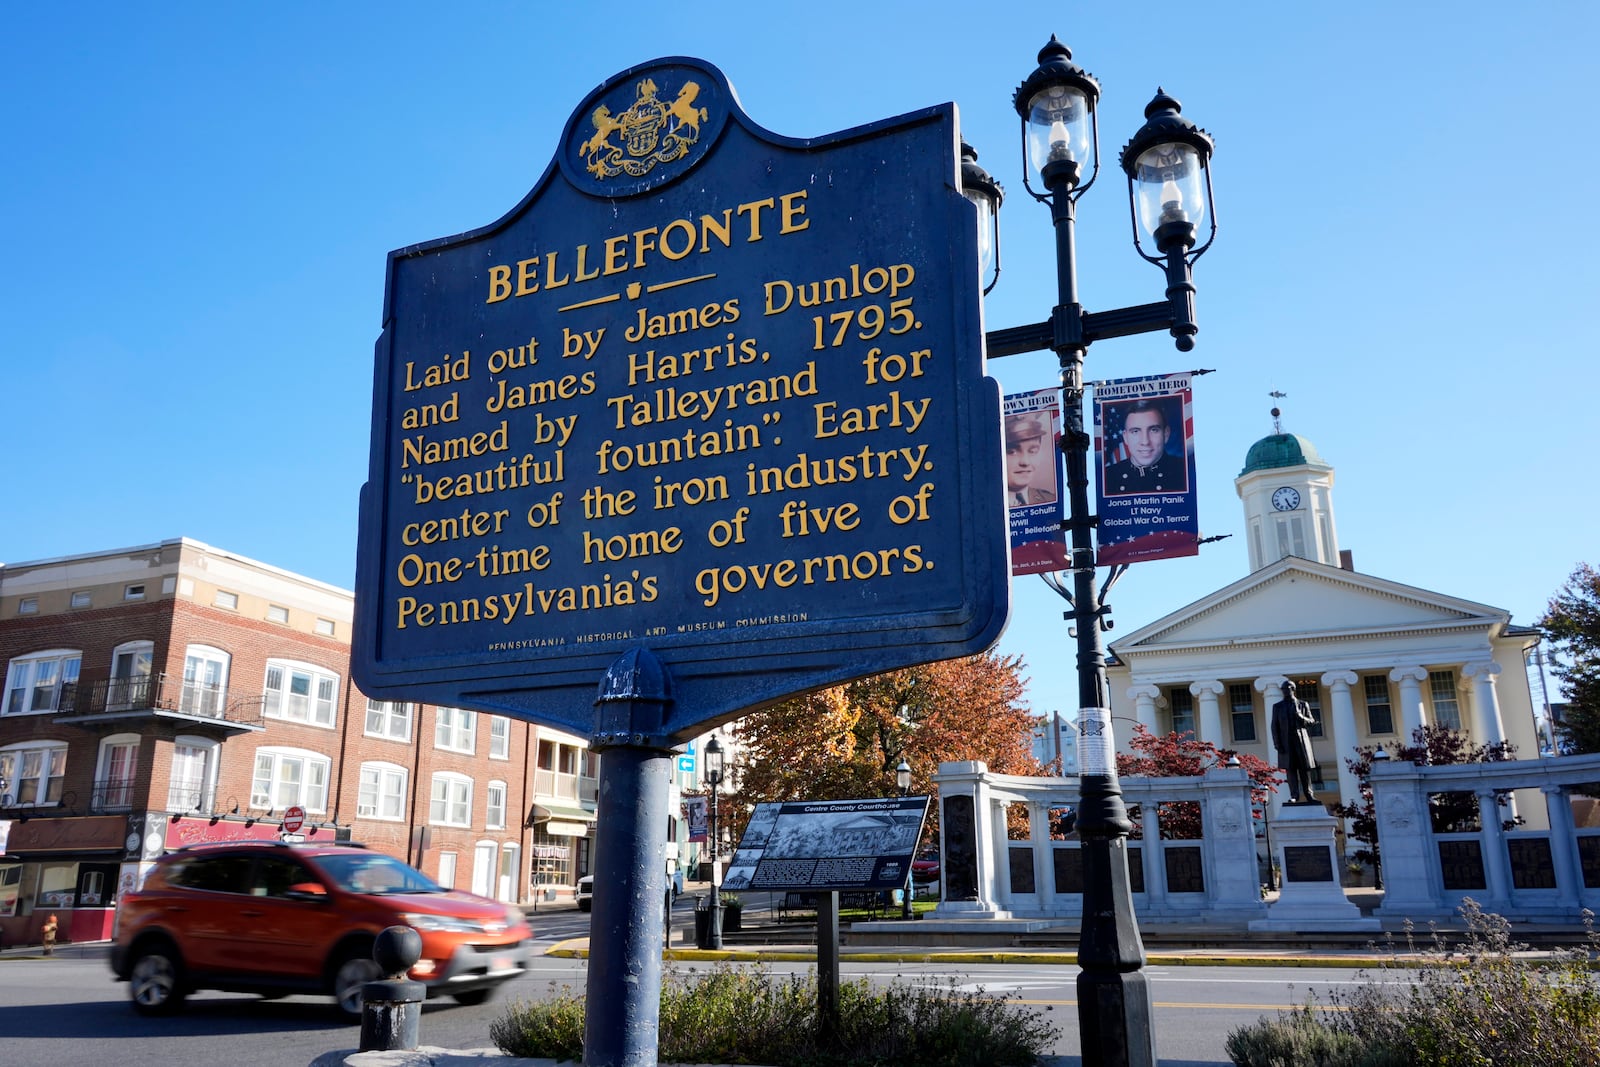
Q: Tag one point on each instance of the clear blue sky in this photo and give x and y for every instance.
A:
(198, 200)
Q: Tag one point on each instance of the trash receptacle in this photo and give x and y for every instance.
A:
(707, 925)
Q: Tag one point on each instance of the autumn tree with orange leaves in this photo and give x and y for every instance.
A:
(845, 742)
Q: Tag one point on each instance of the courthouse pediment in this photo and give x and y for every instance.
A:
(1296, 599)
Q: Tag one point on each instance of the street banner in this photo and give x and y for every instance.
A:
(1144, 452)
(1034, 480)
(697, 813)
(828, 845)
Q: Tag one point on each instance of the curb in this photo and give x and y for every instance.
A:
(578, 948)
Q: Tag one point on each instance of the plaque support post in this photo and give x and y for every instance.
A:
(622, 1028)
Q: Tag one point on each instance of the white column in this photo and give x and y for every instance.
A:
(1155, 860)
(1210, 719)
(1144, 699)
(1486, 701)
(1344, 733)
(1564, 846)
(1271, 687)
(1410, 679)
(1496, 864)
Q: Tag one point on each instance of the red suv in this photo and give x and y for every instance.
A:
(274, 919)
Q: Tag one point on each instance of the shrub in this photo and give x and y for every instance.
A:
(748, 1016)
(1482, 1003)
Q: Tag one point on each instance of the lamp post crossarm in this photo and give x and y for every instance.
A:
(1090, 326)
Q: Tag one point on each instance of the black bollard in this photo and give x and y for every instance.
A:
(391, 1008)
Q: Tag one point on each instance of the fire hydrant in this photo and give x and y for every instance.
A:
(48, 934)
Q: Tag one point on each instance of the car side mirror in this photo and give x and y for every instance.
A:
(308, 891)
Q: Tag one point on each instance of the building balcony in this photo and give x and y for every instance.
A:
(125, 700)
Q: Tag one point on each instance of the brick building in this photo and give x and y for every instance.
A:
(175, 693)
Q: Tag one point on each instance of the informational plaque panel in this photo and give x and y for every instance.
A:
(828, 844)
(707, 391)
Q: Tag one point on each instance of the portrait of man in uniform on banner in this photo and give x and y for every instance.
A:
(1030, 460)
(1145, 447)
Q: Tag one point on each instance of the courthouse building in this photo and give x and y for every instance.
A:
(1375, 658)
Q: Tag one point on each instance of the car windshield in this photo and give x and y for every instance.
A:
(376, 874)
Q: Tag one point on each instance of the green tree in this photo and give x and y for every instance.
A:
(1430, 746)
(1181, 755)
(1572, 623)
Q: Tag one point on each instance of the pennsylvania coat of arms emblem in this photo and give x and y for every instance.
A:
(649, 132)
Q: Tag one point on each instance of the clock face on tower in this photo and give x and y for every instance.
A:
(1286, 498)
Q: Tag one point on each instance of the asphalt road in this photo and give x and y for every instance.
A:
(66, 1010)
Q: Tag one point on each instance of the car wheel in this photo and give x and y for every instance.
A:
(473, 997)
(352, 973)
(155, 982)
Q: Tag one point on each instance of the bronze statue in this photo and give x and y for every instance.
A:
(1290, 718)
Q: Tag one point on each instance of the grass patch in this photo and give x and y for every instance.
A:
(1482, 1002)
(747, 1015)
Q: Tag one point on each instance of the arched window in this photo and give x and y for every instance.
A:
(301, 692)
(450, 800)
(33, 773)
(192, 786)
(129, 686)
(285, 777)
(383, 792)
(114, 773)
(43, 682)
(205, 681)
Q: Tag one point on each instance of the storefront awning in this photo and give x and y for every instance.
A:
(561, 820)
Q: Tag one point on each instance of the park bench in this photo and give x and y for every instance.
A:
(798, 904)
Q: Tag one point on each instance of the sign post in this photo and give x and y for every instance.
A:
(701, 423)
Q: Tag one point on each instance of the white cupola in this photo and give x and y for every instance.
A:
(1287, 492)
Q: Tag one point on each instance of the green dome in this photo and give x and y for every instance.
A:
(1280, 450)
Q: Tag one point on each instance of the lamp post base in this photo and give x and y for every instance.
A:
(1115, 1019)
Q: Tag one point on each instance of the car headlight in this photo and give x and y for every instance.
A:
(445, 923)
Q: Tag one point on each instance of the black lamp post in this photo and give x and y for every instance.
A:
(713, 754)
(1167, 163)
(902, 782)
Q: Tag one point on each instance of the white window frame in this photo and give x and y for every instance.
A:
(455, 730)
(194, 770)
(389, 719)
(317, 706)
(450, 799)
(499, 737)
(1444, 700)
(23, 691)
(205, 681)
(494, 806)
(116, 770)
(49, 771)
(382, 792)
(275, 791)
(132, 665)
(447, 870)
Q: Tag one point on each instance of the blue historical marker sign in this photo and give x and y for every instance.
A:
(706, 391)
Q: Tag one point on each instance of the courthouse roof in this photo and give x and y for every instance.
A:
(1280, 450)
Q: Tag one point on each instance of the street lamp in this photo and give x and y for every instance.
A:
(902, 782)
(713, 754)
(1167, 163)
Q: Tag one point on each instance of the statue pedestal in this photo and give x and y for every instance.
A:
(1311, 896)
